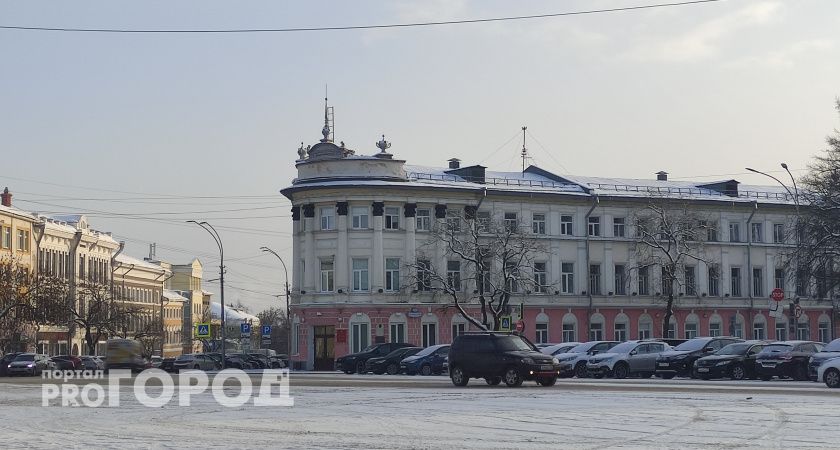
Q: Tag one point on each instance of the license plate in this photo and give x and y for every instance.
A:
(546, 367)
(702, 369)
(663, 364)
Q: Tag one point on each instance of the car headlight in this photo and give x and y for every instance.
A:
(680, 357)
(555, 360)
(30, 365)
(527, 360)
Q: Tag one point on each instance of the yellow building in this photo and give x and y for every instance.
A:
(186, 282)
(17, 237)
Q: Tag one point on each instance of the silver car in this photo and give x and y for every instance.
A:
(195, 361)
(626, 359)
(573, 362)
(29, 364)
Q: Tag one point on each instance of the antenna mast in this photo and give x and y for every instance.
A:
(524, 151)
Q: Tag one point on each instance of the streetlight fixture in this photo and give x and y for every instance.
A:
(288, 312)
(794, 194)
(215, 234)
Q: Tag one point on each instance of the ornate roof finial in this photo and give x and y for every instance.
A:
(326, 130)
(303, 152)
(382, 146)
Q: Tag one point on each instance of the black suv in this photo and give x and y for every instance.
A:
(680, 360)
(497, 357)
(786, 359)
(355, 362)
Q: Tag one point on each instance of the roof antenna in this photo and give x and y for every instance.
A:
(326, 130)
(524, 151)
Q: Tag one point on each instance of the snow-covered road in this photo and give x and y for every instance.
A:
(404, 417)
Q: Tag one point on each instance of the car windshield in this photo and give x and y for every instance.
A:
(427, 350)
(833, 346)
(397, 352)
(624, 347)
(185, 357)
(734, 349)
(776, 348)
(368, 348)
(582, 348)
(25, 358)
(692, 345)
(512, 343)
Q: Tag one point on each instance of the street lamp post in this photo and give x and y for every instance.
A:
(288, 312)
(215, 234)
(794, 194)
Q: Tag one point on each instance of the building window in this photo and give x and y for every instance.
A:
(620, 280)
(779, 233)
(569, 333)
(645, 328)
(690, 280)
(360, 337)
(327, 276)
(594, 226)
(511, 223)
(392, 274)
(453, 222)
(714, 282)
(735, 281)
(781, 331)
(803, 331)
(360, 217)
(458, 329)
(7, 237)
(429, 334)
(758, 282)
(620, 332)
(482, 221)
(823, 331)
(779, 279)
(759, 332)
(567, 278)
(756, 232)
(690, 330)
(483, 277)
(392, 218)
(566, 223)
(618, 227)
(453, 274)
(542, 333)
(596, 331)
(23, 240)
(327, 218)
(734, 232)
(540, 277)
(424, 219)
(715, 329)
(595, 279)
(397, 333)
(424, 275)
(711, 230)
(361, 279)
(672, 329)
(511, 277)
(538, 224)
(644, 281)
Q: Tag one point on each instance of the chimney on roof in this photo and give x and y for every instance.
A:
(454, 163)
(661, 176)
(6, 197)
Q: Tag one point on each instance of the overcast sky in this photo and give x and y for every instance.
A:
(131, 128)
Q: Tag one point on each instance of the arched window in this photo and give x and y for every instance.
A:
(782, 328)
(459, 326)
(645, 326)
(715, 325)
(691, 326)
(672, 327)
(569, 328)
(596, 327)
(429, 330)
(397, 326)
(542, 328)
(736, 328)
(803, 328)
(759, 327)
(359, 325)
(621, 327)
(824, 328)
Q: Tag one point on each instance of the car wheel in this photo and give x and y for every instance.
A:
(512, 377)
(737, 372)
(580, 370)
(546, 382)
(426, 370)
(458, 377)
(392, 369)
(492, 381)
(621, 371)
(832, 378)
(801, 373)
(196, 367)
(668, 376)
(360, 367)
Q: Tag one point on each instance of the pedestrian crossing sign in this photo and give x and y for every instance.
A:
(505, 323)
(202, 330)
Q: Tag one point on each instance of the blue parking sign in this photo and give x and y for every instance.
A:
(266, 331)
(245, 328)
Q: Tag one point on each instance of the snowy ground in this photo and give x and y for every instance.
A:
(336, 411)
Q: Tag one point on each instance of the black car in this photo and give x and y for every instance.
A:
(680, 360)
(786, 359)
(830, 351)
(168, 365)
(498, 357)
(390, 363)
(736, 361)
(355, 362)
(5, 361)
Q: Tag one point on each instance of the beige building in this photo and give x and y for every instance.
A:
(186, 282)
(17, 238)
(173, 323)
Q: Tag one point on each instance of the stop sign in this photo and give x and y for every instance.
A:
(777, 295)
(520, 326)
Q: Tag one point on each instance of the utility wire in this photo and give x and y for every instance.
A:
(360, 27)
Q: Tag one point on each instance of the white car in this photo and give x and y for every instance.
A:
(556, 349)
(829, 373)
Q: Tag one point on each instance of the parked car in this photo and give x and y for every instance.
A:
(829, 372)
(627, 359)
(125, 354)
(786, 359)
(556, 349)
(426, 362)
(5, 361)
(155, 360)
(168, 365)
(241, 361)
(736, 361)
(276, 362)
(67, 362)
(390, 363)
(198, 361)
(92, 363)
(355, 362)
(217, 357)
(543, 345)
(257, 361)
(573, 362)
(29, 364)
(680, 360)
(830, 351)
(265, 361)
(498, 357)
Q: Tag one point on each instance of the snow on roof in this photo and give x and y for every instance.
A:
(11, 210)
(174, 296)
(124, 259)
(69, 218)
(231, 314)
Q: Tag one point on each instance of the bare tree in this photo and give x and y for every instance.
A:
(495, 262)
(669, 239)
(278, 319)
(24, 300)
